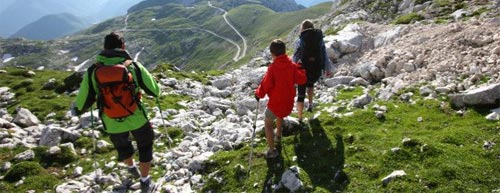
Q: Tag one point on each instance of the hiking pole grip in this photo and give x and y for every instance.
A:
(163, 121)
(252, 139)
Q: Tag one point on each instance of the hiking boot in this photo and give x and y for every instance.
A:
(148, 186)
(310, 108)
(134, 172)
(271, 153)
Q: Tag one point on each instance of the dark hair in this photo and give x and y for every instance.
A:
(307, 24)
(113, 40)
(277, 47)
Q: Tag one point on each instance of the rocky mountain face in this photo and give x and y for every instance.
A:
(455, 57)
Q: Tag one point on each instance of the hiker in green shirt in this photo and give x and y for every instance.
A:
(124, 114)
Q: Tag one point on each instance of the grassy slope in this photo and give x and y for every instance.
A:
(261, 25)
(29, 93)
(446, 156)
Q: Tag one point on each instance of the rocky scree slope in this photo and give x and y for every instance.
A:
(388, 59)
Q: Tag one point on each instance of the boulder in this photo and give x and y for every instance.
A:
(487, 95)
(25, 118)
(51, 136)
(359, 81)
(361, 101)
(369, 71)
(26, 155)
(393, 175)
(196, 162)
(50, 85)
(171, 82)
(6, 124)
(388, 37)
(71, 186)
(290, 179)
(222, 83)
(4, 89)
(348, 40)
(331, 82)
(213, 103)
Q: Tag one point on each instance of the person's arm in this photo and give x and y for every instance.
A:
(298, 52)
(267, 83)
(146, 80)
(86, 94)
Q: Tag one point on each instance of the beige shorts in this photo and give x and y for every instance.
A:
(270, 115)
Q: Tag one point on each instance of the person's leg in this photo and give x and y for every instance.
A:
(279, 123)
(129, 161)
(269, 126)
(301, 90)
(144, 137)
(145, 167)
(125, 151)
(310, 96)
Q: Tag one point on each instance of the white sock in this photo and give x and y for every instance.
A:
(132, 166)
(143, 179)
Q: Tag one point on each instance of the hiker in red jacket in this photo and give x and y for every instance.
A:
(279, 84)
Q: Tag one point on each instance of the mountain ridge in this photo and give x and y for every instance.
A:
(171, 33)
(51, 27)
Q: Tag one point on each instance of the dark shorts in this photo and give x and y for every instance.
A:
(301, 89)
(143, 136)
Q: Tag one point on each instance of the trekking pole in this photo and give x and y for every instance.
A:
(253, 136)
(94, 146)
(163, 121)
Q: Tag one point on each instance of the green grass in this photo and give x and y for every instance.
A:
(335, 30)
(30, 95)
(446, 153)
(408, 18)
(349, 93)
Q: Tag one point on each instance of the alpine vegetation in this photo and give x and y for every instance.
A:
(411, 105)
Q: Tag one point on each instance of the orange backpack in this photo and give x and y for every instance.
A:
(117, 96)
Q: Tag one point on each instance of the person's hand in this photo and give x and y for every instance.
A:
(328, 74)
(257, 98)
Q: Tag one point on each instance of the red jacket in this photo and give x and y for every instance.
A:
(279, 84)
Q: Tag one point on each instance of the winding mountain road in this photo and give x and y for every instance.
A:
(240, 53)
(244, 51)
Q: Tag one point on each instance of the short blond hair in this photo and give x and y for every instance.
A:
(307, 24)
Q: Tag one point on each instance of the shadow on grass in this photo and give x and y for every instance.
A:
(320, 160)
(275, 168)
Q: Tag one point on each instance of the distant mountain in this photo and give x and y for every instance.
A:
(51, 27)
(17, 14)
(309, 3)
